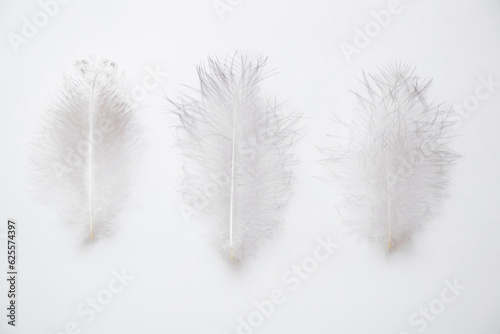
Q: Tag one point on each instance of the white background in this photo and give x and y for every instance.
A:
(181, 284)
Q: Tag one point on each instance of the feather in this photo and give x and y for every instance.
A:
(239, 170)
(394, 167)
(82, 157)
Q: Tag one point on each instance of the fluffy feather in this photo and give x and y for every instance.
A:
(239, 175)
(394, 167)
(82, 158)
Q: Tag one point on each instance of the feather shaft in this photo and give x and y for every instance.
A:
(91, 112)
(83, 157)
(239, 169)
(393, 167)
(231, 205)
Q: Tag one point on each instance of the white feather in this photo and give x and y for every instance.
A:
(82, 158)
(394, 167)
(238, 177)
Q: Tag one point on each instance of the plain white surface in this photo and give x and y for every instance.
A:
(181, 284)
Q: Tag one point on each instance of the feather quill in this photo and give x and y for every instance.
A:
(239, 169)
(82, 158)
(394, 166)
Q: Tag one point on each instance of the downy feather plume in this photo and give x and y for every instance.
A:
(394, 166)
(82, 158)
(239, 169)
